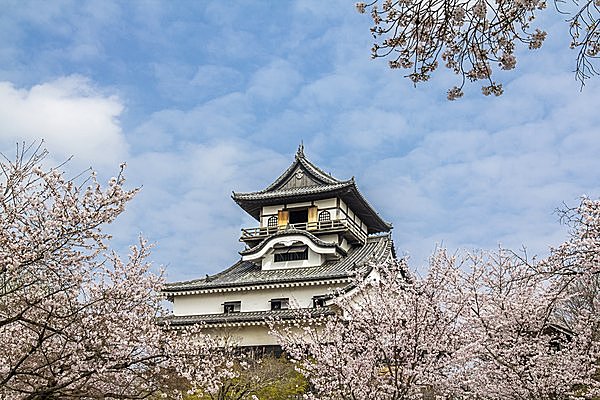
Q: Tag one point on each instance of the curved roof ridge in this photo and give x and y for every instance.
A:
(301, 159)
(363, 198)
(281, 177)
(314, 186)
(318, 171)
(348, 190)
(244, 316)
(288, 232)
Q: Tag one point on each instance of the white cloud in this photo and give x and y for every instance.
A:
(70, 115)
(185, 205)
(225, 116)
(369, 129)
(274, 81)
(336, 91)
(214, 77)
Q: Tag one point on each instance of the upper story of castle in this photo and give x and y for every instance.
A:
(305, 218)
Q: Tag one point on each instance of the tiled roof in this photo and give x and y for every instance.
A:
(252, 316)
(246, 273)
(317, 185)
(301, 160)
(288, 232)
(298, 191)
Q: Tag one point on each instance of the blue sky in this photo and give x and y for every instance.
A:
(202, 98)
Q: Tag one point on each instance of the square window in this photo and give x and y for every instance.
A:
(319, 301)
(232, 307)
(280, 304)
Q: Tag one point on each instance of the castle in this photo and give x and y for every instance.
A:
(314, 234)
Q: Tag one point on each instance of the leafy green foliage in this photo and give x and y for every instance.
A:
(268, 378)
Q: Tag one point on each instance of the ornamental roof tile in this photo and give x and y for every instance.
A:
(246, 273)
(252, 316)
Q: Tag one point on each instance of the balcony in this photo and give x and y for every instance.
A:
(348, 228)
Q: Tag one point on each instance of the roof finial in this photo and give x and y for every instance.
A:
(300, 152)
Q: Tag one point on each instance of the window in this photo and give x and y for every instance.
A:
(324, 216)
(272, 222)
(291, 254)
(319, 301)
(299, 216)
(232, 307)
(280, 304)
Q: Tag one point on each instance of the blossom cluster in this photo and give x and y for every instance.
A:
(469, 36)
(76, 320)
(480, 325)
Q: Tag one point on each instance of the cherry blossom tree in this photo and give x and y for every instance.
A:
(481, 325)
(394, 336)
(574, 266)
(474, 37)
(518, 348)
(580, 254)
(76, 320)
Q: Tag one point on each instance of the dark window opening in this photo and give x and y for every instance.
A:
(319, 301)
(324, 216)
(232, 307)
(280, 304)
(291, 254)
(272, 222)
(298, 216)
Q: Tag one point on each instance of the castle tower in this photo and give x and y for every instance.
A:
(314, 234)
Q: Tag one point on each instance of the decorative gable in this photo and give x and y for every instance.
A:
(300, 174)
(299, 178)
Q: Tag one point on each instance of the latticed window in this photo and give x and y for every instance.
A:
(272, 222)
(324, 216)
(291, 254)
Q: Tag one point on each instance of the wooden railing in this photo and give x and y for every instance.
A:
(336, 225)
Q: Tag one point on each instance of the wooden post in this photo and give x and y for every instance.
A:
(282, 219)
(312, 217)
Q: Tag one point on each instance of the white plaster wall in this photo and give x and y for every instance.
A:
(345, 245)
(334, 238)
(326, 203)
(331, 204)
(331, 238)
(350, 215)
(316, 254)
(246, 335)
(271, 209)
(252, 300)
(345, 210)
